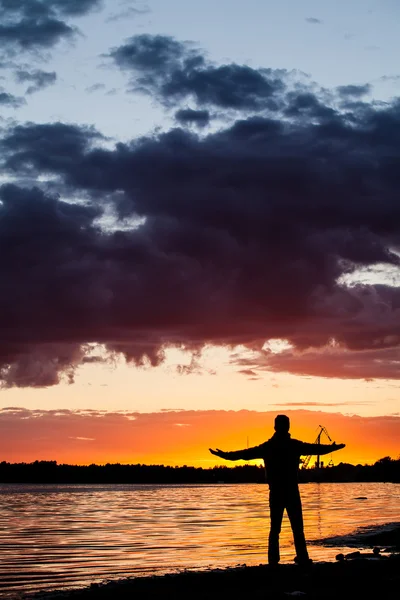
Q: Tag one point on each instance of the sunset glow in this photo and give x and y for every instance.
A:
(197, 234)
(179, 437)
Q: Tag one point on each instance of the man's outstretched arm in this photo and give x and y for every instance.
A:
(247, 454)
(320, 449)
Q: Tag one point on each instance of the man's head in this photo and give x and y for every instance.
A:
(282, 424)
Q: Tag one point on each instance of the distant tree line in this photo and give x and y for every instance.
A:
(51, 472)
(384, 470)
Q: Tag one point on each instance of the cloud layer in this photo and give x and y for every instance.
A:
(237, 235)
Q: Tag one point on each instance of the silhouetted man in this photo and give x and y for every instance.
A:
(281, 455)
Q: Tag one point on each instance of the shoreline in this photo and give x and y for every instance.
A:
(363, 577)
(374, 573)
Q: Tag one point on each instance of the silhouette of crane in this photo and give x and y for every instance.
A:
(306, 461)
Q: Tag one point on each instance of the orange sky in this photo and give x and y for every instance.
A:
(117, 413)
(179, 437)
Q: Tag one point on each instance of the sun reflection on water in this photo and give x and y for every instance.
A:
(68, 536)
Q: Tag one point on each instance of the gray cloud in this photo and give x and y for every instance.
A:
(7, 99)
(96, 87)
(314, 20)
(75, 7)
(37, 78)
(390, 78)
(128, 12)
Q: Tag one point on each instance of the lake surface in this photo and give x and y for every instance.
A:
(72, 535)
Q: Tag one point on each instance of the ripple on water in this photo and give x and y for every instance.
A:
(69, 536)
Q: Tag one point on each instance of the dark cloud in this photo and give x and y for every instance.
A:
(307, 104)
(227, 86)
(354, 91)
(43, 8)
(314, 20)
(47, 141)
(28, 25)
(37, 78)
(29, 34)
(40, 222)
(244, 235)
(154, 54)
(201, 118)
(7, 99)
(173, 71)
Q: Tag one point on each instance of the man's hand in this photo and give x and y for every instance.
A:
(336, 446)
(218, 452)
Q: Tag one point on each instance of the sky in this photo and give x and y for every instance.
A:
(199, 227)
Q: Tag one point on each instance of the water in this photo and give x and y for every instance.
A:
(72, 535)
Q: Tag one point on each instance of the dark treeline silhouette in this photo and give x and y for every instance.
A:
(384, 470)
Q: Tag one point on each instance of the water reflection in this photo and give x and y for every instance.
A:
(63, 536)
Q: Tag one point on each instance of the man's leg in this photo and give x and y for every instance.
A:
(276, 508)
(295, 515)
